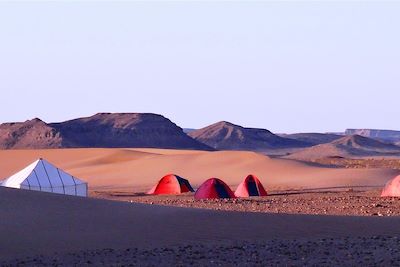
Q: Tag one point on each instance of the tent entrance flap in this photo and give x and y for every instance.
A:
(252, 187)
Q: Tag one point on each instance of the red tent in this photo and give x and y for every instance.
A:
(214, 188)
(392, 188)
(171, 184)
(251, 186)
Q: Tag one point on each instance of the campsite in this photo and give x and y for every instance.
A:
(199, 133)
(134, 200)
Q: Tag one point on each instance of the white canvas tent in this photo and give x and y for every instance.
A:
(43, 176)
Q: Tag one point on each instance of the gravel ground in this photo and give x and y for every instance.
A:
(367, 203)
(372, 251)
(360, 251)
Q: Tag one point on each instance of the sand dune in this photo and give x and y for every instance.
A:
(138, 169)
(44, 223)
(348, 147)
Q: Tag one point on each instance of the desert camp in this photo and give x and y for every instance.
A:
(123, 177)
(171, 184)
(199, 133)
(41, 175)
(392, 188)
(250, 187)
(213, 188)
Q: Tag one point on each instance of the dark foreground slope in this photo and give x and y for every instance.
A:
(44, 223)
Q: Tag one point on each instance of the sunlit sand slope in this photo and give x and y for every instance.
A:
(138, 169)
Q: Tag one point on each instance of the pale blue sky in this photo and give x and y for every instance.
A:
(284, 66)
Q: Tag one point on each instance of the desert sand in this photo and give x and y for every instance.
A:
(47, 229)
(43, 226)
(137, 170)
(360, 202)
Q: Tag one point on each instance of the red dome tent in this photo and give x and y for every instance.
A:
(171, 184)
(392, 188)
(250, 186)
(214, 188)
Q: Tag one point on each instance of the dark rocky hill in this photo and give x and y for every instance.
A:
(313, 138)
(385, 135)
(100, 130)
(29, 134)
(228, 136)
(352, 146)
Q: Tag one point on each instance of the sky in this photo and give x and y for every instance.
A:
(284, 66)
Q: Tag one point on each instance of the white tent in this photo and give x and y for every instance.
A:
(43, 176)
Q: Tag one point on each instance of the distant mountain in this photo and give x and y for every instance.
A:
(228, 136)
(100, 130)
(348, 146)
(313, 138)
(156, 131)
(188, 130)
(29, 134)
(386, 135)
(365, 143)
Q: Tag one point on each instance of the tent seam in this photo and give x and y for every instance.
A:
(37, 178)
(48, 178)
(59, 175)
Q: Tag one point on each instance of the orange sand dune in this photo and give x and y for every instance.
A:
(138, 169)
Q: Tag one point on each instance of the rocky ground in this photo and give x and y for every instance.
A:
(337, 251)
(366, 251)
(360, 203)
(367, 163)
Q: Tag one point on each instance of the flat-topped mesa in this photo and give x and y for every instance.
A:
(126, 130)
(229, 136)
(100, 130)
